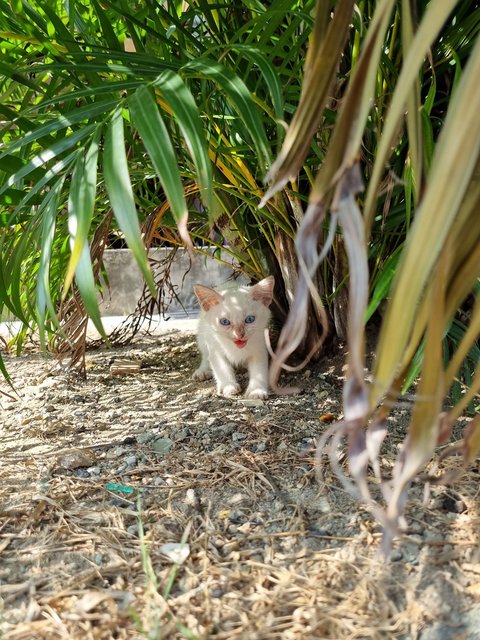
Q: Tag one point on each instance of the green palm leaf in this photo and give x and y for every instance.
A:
(241, 100)
(158, 144)
(119, 188)
(177, 95)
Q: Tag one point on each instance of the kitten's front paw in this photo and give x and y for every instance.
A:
(202, 374)
(229, 390)
(256, 392)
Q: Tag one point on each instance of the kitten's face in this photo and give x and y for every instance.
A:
(237, 313)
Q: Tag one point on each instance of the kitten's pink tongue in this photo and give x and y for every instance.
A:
(240, 343)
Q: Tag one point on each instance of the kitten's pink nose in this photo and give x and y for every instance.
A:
(238, 333)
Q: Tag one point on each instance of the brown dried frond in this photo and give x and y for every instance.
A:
(72, 340)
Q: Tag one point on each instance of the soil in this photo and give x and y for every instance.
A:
(144, 506)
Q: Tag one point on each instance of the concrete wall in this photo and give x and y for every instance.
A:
(126, 283)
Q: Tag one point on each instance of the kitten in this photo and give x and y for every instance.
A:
(231, 332)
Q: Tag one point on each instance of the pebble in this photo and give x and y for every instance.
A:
(144, 438)
(306, 445)
(162, 445)
(238, 436)
(132, 530)
(226, 429)
(416, 528)
(119, 502)
(252, 402)
(131, 460)
(219, 450)
(94, 471)
(76, 458)
(260, 447)
(183, 434)
(396, 555)
(82, 473)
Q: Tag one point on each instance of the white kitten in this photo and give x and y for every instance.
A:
(231, 333)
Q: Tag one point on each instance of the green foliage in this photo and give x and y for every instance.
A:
(139, 110)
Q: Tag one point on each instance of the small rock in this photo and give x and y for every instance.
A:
(120, 502)
(306, 445)
(130, 440)
(396, 555)
(182, 435)
(81, 473)
(260, 447)
(238, 436)
(453, 504)
(252, 402)
(162, 445)
(416, 528)
(144, 438)
(131, 460)
(76, 458)
(226, 429)
(132, 530)
(219, 450)
(94, 471)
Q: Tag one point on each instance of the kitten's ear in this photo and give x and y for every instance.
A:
(263, 290)
(207, 297)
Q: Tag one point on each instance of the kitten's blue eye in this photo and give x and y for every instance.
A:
(249, 319)
(224, 321)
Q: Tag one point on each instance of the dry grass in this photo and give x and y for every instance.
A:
(271, 555)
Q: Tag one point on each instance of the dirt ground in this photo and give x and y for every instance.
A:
(143, 506)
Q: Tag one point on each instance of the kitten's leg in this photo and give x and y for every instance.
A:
(258, 376)
(203, 372)
(227, 384)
